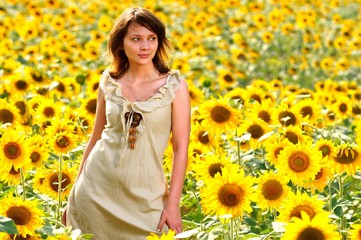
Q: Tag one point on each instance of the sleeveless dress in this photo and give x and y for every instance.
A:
(122, 191)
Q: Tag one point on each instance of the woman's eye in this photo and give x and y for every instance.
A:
(135, 39)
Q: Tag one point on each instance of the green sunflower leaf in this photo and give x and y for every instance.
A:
(7, 225)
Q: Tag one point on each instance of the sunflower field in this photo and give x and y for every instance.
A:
(275, 150)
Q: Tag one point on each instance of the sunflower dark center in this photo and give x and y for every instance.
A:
(53, 181)
(220, 114)
(319, 174)
(292, 137)
(307, 111)
(91, 106)
(272, 189)
(265, 116)
(228, 78)
(37, 77)
(256, 98)
(20, 237)
(342, 108)
(214, 169)
(35, 157)
(296, 212)
(21, 106)
(60, 87)
(325, 150)
(196, 152)
(287, 118)
(49, 112)
(21, 85)
(311, 233)
(13, 171)
(256, 131)
(12, 150)
(6, 116)
(230, 195)
(346, 156)
(20, 215)
(298, 162)
(62, 141)
(277, 151)
(203, 137)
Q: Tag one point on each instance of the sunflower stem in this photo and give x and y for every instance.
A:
(342, 219)
(232, 223)
(60, 179)
(330, 195)
(238, 151)
(23, 183)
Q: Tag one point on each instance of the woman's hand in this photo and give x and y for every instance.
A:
(63, 217)
(172, 217)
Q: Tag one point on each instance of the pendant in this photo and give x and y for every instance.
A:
(135, 119)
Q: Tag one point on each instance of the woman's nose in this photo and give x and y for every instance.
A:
(145, 45)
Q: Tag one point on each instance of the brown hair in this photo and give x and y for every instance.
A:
(119, 62)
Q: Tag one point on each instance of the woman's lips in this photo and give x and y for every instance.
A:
(143, 55)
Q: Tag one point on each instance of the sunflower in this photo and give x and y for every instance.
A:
(321, 180)
(305, 228)
(286, 116)
(262, 111)
(15, 152)
(38, 155)
(61, 136)
(5, 236)
(19, 85)
(207, 167)
(254, 94)
(11, 177)
(196, 94)
(327, 147)
(309, 109)
(355, 232)
(347, 159)
(256, 128)
(83, 122)
(238, 95)
(202, 135)
(20, 103)
(25, 214)
(300, 162)
(66, 88)
(47, 110)
(9, 113)
(165, 236)
(89, 104)
(49, 185)
(342, 107)
(219, 115)
(38, 179)
(226, 79)
(272, 190)
(294, 134)
(228, 194)
(274, 147)
(301, 202)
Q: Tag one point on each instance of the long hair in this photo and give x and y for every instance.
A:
(119, 62)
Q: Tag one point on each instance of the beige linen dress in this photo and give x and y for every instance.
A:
(121, 191)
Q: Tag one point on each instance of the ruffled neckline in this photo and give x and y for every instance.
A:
(161, 91)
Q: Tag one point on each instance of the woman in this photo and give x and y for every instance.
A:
(121, 191)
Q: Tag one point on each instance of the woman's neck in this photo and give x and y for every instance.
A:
(141, 73)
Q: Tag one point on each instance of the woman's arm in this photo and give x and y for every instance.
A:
(180, 140)
(99, 124)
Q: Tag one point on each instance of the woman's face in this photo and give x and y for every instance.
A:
(140, 45)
